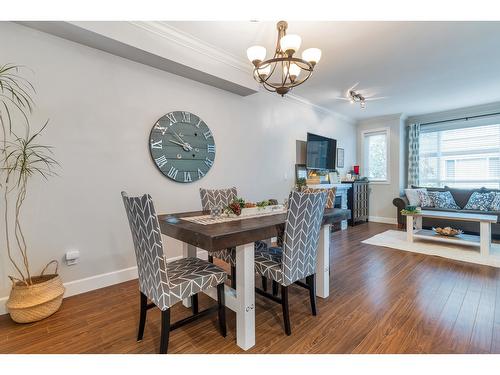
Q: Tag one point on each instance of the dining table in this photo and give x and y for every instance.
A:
(196, 233)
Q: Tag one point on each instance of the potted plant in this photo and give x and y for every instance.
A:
(22, 158)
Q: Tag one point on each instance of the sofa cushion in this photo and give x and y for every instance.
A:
(443, 199)
(462, 196)
(424, 198)
(495, 204)
(480, 201)
(413, 197)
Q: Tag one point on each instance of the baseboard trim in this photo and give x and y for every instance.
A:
(381, 219)
(103, 280)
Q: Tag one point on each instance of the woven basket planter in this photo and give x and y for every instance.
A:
(31, 303)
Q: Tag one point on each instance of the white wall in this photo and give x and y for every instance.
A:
(101, 109)
(382, 194)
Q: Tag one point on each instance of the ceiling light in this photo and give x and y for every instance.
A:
(280, 73)
(312, 55)
(290, 44)
(256, 54)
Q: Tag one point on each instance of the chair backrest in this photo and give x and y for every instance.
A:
(151, 265)
(300, 243)
(217, 197)
(330, 197)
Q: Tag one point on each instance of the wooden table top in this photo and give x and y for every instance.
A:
(218, 236)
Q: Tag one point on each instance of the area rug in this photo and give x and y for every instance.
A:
(397, 240)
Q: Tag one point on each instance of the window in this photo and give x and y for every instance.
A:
(462, 154)
(376, 155)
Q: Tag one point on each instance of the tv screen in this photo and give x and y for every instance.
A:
(321, 152)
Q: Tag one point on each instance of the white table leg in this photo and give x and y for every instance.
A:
(323, 263)
(417, 222)
(409, 228)
(188, 251)
(245, 296)
(485, 237)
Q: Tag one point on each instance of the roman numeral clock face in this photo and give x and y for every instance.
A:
(182, 146)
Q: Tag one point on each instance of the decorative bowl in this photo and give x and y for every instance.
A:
(411, 208)
(447, 231)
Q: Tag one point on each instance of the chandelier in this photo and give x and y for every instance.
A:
(281, 72)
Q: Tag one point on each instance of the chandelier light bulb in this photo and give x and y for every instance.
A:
(312, 55)
(294, 71)
(256, 54)
(290, 44)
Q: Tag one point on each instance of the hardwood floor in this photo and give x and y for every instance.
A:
(381, 301)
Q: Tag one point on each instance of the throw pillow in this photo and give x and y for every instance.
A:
(480, 201)
(424, 198)
(443, 199)
(412, 195)
(495, 204)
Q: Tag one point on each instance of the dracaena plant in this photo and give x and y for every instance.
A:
(21, 159)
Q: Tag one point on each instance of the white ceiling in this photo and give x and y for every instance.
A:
(420, 67)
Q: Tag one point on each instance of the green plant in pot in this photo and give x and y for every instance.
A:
(22, 159)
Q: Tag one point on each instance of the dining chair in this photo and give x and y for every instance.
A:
(165, 284)
(296, 259)
(330, 203)
(221, 198)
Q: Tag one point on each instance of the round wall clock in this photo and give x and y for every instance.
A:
(182, 146)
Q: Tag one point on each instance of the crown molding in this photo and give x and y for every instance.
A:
(189, 41)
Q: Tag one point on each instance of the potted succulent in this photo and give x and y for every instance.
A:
(22, 158)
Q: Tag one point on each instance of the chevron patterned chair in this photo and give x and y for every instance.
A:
(330, 203)
(296, 260)
(221, 198)
(164, 283)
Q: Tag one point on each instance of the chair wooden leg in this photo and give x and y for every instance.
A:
(142, 316)
(210, 258)
(275, 288)
(194, 303)
(286, 313)
(311, 282)
(264, 283)
(222, 309)
(233, 277)
(165, 331)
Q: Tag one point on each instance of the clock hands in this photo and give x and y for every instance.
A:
(183, 145)
(186, 146)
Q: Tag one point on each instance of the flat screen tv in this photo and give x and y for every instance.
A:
(321, 152)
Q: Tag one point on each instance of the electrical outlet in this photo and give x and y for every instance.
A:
(72, 257)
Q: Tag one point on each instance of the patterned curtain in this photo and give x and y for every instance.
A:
(413, 154)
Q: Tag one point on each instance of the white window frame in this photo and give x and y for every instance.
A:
(387, 132)
(442, 156)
